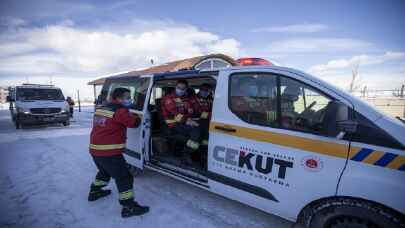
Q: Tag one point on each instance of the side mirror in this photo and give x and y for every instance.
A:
(343, 122)
(342, 111)
(337, 120)
(347, 126)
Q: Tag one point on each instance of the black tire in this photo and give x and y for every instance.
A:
(349, 212)
(17, 124)
(66, 123)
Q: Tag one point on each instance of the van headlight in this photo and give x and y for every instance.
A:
(23, 110)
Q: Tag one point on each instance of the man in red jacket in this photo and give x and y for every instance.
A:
(205, 99)
(178, 110)
(107, 143)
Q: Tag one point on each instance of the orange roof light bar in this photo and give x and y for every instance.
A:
(253, 61)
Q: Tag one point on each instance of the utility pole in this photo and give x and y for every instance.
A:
(78, 100)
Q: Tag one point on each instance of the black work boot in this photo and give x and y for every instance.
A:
(134, 209)
(97, 194)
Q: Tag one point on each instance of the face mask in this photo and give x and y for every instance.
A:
(204, 93)
(180, 92)
(126, 102)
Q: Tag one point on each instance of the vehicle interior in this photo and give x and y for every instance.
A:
(167, 146)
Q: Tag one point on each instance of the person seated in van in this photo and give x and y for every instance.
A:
(248, 105)
(205, 99)
(289, 96)
(178, 110)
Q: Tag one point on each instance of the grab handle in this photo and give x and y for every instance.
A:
(227, 129)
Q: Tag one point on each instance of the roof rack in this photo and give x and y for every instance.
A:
(38, 85)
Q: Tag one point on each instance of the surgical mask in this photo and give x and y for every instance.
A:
(180, 92)
(127, 102)
(204, 93)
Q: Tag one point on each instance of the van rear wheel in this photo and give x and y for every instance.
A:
(349, 212)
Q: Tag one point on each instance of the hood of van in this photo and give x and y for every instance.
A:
(42, 104)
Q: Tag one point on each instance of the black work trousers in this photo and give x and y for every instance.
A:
(116, 167)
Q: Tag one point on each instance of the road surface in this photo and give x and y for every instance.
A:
(45, 173)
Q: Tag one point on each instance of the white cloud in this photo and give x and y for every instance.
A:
(226, 46)
(296, 28)
(63, 49)
(362, 60)
(316, 45)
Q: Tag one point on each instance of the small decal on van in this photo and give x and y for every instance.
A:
(312, 163)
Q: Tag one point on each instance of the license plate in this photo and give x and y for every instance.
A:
(49, 119)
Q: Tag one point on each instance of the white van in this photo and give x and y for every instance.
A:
(309, 153)
(37, 104)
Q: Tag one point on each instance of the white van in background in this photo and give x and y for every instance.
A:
(37, 104)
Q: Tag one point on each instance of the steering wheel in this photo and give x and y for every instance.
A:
(306, 109)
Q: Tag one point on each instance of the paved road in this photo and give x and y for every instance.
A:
(45, 173)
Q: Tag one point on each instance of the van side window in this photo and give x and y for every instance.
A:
(302, 107)
(253, 98)
(138, 88)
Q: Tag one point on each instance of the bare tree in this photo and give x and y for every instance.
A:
(355, 78)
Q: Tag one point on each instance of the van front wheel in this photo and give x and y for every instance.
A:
(17, 124)
(66, 123)
(349, 212)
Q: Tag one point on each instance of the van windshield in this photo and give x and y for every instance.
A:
(24, 94)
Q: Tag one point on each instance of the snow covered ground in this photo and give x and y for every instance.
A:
(45, 173)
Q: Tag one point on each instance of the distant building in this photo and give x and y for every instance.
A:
(3, 94)
(206, 62)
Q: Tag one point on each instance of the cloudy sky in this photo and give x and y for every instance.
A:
(73, 42)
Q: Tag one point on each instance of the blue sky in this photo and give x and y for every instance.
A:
(74, 41)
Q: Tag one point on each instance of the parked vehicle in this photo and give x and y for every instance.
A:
(37, 104)
(301, 149)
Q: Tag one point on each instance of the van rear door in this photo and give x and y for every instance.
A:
(137, 138)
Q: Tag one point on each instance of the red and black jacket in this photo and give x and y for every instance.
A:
(109, 132)
(177, 109)
(205, 107)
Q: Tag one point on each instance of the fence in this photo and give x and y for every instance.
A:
(390, 101)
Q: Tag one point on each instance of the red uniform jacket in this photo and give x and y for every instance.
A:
(109, 132)
(205, 106)
(177, 109)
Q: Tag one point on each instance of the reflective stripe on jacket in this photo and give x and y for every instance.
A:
(109, 131)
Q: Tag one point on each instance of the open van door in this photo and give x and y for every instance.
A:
(137, 138)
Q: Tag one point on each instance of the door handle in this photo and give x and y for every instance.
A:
(227, 129)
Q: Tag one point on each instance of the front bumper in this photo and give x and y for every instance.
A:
(28, 118)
